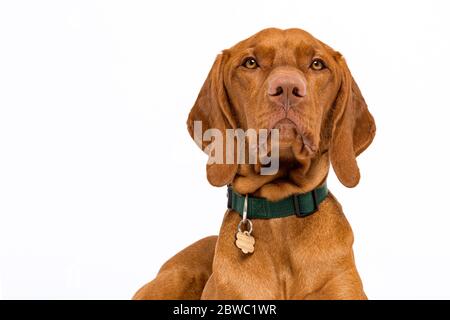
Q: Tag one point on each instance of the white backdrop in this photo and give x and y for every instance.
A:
(94, 149)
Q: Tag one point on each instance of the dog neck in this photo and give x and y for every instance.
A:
(290, 179)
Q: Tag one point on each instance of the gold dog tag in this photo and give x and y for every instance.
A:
(245, 242)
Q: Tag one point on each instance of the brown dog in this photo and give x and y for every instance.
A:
(284, 79)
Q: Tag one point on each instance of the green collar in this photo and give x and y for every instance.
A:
(301, 205)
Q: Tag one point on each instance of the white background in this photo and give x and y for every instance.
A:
(100, 182)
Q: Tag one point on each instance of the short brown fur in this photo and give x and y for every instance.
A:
(294, 258)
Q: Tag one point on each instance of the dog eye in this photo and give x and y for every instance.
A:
(250, 63)
(317, 64)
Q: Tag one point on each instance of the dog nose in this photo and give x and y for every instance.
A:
(286, 88)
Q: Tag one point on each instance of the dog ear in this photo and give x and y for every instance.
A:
(353, 128)
(213, 110)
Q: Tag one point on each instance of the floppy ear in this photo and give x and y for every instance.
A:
(213, 111)
(353, 128)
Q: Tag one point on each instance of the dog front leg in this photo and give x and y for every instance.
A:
(346, 285)
(184, 275)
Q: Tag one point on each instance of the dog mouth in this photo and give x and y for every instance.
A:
(288, 132)
(293, 142)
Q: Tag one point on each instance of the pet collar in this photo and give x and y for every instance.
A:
(301, 205)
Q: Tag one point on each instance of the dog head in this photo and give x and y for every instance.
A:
(290, 81)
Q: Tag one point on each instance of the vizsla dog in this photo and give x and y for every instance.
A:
(300, 238)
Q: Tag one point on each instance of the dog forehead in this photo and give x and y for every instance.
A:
(273, 40)
(275, 36)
